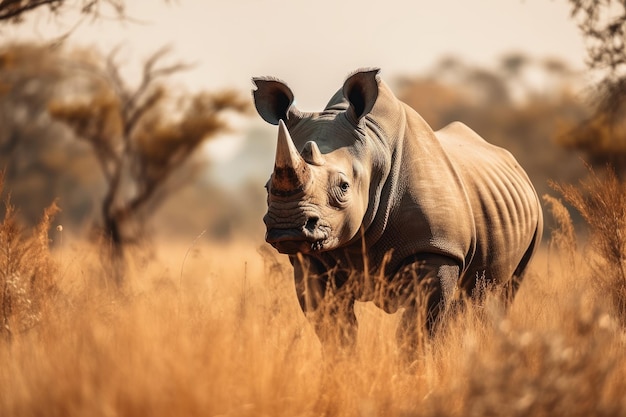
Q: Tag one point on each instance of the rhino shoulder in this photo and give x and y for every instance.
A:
(457, 136)
(461, 132)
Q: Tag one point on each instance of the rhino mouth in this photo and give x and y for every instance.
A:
(292, 241)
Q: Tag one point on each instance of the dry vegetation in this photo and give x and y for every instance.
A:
(216, 331)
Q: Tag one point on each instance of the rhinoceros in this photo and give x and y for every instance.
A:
(365, 196)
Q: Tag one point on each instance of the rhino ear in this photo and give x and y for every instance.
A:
(361, 91)
(273, 99)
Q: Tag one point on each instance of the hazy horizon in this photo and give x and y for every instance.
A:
(314, 48)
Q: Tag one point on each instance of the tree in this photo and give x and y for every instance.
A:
(140, 136)
(39, 157)
(602, 136)
(603, 25)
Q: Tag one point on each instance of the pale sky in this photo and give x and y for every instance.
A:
(313, 45)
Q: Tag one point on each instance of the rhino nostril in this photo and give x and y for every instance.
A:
(311, 223)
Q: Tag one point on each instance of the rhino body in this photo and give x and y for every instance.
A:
(366, 196)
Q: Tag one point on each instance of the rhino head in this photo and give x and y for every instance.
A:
(319, 191)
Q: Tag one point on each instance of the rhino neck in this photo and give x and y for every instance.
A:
(389, 115)
(388, 126)
(417, 200)
(428, 208)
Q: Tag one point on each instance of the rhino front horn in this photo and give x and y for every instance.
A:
(291, 172)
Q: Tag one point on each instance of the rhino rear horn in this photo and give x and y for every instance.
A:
(273, 99)
(312, 154)
(361, 91)
(291, 172)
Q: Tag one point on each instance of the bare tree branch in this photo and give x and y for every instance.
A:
(149, 77)
(13, 9)
(140, 110)
(112, 71)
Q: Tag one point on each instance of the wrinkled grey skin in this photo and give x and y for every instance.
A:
(365, 189)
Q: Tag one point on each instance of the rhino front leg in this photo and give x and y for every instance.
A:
(327, 304)
(426, 288)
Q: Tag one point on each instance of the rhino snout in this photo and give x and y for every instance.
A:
(311, 223)
(306, 236)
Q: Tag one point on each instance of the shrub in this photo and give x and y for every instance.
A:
(27, 270)
(601, 201)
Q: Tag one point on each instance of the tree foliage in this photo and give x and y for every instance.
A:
(602, 136)
(603, 25)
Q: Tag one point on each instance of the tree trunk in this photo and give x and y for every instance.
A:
(114, 253)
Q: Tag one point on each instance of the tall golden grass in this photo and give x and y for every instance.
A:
(213, 330)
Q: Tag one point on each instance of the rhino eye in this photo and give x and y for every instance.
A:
(339, 193)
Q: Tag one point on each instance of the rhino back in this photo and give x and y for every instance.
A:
(505, 207)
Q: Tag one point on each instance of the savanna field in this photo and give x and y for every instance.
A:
(204, 329)
(147, 287)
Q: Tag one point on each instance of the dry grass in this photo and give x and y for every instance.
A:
(26, 270)
(217, 331)
(601, 201)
